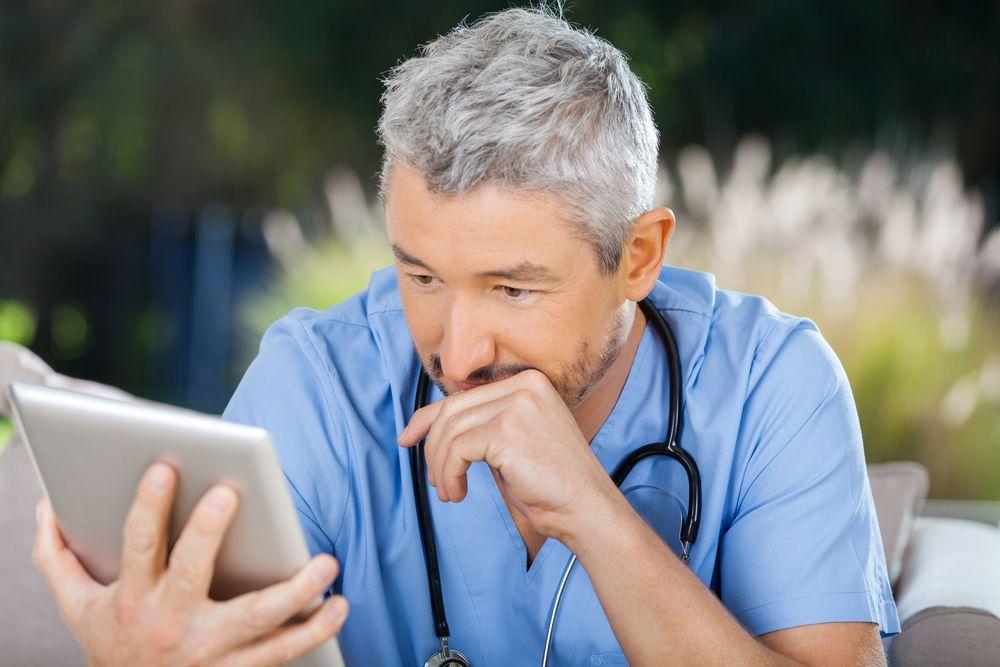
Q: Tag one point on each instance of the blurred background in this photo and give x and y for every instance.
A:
(176, 175)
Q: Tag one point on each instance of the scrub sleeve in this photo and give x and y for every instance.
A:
(803, 545)
(287, 391)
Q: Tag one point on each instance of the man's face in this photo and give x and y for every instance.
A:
(493, 282)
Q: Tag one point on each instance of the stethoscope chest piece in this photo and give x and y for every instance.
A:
(447, 658)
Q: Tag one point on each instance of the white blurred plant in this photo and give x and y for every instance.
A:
(815, 232)
(848, 249)
(887, 257)
(320, 273)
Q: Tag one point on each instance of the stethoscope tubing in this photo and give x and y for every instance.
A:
(669, 447)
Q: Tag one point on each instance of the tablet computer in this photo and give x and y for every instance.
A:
(89, 453)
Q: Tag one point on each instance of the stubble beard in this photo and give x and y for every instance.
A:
(573, 381)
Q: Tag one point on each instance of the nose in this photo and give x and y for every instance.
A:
(467, 343)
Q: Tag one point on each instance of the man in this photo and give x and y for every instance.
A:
(518, 178)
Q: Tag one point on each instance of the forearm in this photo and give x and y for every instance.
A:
(660, 612)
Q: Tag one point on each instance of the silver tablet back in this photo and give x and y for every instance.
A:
(90, 452)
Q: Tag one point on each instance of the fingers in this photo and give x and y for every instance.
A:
(71, 586)
(473, 445)
(289, 643)
(254, 614)
(419, 423)
(192, 561)
(144, 547)
(446, 429)
(443, 421)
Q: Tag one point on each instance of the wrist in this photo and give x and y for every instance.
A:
(604, 517)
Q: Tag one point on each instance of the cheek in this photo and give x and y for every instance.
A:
(544, 340)
(422, 319)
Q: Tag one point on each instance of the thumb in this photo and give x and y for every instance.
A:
(420, 424)
(62, 571)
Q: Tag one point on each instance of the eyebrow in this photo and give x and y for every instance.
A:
(523, 272)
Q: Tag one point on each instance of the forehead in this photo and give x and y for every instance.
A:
(488, 222)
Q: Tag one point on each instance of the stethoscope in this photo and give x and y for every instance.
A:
(447, 656)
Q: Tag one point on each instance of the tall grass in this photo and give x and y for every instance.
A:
(885, 255)
(888, 259)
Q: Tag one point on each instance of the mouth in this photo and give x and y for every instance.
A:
(462, 386)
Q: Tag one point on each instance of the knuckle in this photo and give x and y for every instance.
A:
(258, 616)
(430, 445)
(458, 443)
(186, 574)
(282, 651)
(447, 429)
(447, 407)
(204, 522)
(442, 437)
(525, 398)
(534, 378)
(466, 446)
(214, 511)
(325, 627)
(146, 496)
(166, 636)
(138, 538)
(39, 557)
(201, 654)
(509, 425)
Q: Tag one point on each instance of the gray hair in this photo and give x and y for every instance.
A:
(524, 100)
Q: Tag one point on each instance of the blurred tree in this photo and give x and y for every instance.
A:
(109, 109)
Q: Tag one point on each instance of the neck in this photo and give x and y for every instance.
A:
(591, 414)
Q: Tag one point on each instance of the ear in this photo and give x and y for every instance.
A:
(645, 252)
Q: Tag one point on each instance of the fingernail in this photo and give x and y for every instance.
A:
(38, 512)
(158, 477)
(323, 570)
(220, 499)
(337, 608)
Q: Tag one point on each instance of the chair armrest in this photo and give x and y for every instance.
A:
(984, 511)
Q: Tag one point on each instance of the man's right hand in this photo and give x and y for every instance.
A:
(159, 613)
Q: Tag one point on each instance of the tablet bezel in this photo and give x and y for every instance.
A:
(89, 453)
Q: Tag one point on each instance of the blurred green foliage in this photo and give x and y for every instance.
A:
(329, 273)
(6, 432)
(919, 396)
(901, 368)
(17, 322)
(109, 108)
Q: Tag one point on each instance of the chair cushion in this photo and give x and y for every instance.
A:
(951, 563)
(899, 489)
(19, 364)
(31, 630)
(948, 596)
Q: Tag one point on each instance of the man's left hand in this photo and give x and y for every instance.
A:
(522, 428)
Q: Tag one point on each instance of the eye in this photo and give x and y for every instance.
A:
(421, 279)
(516, 293)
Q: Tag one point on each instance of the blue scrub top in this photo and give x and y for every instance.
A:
(788, 530)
